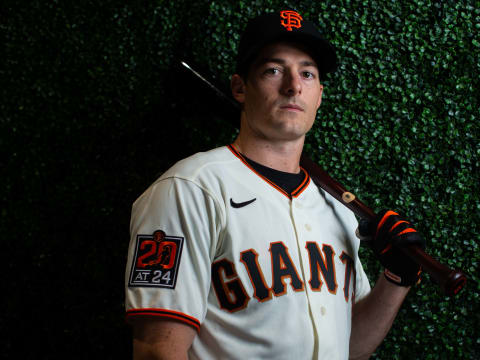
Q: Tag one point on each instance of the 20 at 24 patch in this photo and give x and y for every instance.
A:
(156, 260)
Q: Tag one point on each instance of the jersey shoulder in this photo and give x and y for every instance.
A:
(201, 165)
(200, 176)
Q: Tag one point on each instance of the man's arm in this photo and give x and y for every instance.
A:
(372, 317)
(161, 339)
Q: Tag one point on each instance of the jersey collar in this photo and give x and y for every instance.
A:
(294, 194)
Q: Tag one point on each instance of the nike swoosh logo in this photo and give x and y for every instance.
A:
(241, 204)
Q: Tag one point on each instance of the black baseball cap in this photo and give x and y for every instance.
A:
(284, 25)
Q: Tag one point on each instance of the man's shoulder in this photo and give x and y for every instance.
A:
(201, 164)
(208, 171)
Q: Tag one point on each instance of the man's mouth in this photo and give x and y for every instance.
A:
(293, 107)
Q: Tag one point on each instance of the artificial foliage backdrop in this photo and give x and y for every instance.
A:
(94, 106)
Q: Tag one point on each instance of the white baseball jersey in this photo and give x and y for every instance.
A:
(259, 273)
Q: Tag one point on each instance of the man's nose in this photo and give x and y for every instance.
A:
(292, 84)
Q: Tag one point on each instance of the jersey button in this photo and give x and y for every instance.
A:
(308, 227)
(323, 310)
(297, 205)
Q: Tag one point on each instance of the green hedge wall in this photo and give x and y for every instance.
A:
(95, 106)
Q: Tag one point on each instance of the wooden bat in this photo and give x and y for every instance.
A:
(451, 281)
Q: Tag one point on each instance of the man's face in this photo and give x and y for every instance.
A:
(282, 94)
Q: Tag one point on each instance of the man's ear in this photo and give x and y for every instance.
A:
(320, 97)
(237, 86)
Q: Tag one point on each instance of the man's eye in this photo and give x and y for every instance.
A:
(272, 71)
(308, 75)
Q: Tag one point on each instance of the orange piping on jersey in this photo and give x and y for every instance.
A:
(303, 185)
(238, 155)
(165, 313)
(295, 193)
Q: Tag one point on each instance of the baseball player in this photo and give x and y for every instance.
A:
(236, 254)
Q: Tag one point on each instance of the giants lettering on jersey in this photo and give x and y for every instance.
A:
(231, 292)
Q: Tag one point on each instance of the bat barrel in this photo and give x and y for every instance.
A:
(451, 281)
(455, 282)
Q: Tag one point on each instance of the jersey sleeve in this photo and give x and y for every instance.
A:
(174, 229)
(362, 284)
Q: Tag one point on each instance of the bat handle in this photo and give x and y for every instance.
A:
(451, 281)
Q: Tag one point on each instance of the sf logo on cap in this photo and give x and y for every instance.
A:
(292, 19)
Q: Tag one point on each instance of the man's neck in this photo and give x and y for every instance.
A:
(278, 155)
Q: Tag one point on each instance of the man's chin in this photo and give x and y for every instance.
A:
(287, 133)
(292, 129)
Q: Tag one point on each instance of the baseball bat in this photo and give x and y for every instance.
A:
(451, 281)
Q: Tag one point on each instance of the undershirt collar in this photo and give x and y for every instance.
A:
(287, 181)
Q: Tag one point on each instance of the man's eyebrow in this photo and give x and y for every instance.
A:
(265, 60)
